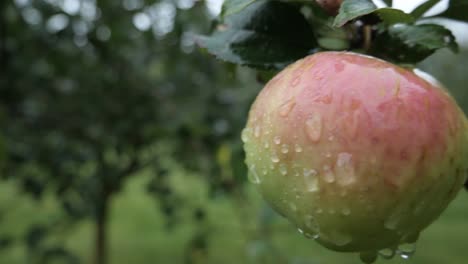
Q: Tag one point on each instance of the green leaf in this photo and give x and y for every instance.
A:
(392, 16)
(233, 6)
(259, 37)
(458, 10)
(404, 43)
(423, 8)
(351, 9)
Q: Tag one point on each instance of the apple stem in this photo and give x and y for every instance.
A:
(367, 37)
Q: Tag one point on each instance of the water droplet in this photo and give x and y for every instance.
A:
(319, 210)
(340, 238)
(328, 174)
(266, 145)
(283, 169)
(277, 140)
(264, 171)
(313, 236)
(284, 148)
(313, 228)
(257, 131)
(387, 253)
(331, 138)
(406, 250)
(245, 135)
(274, 157)
(344, 169)
(300, 231)
(368, 257)
(308, 172)
(253, 176)
(331, 211)
(345, 211)
(311, 181)
(287, 107)
(313, 127)
(298, 148)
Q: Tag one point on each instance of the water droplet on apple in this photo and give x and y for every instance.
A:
(311, 181)
(257, 131)
(340, 238)
(287, 107)
(406, 250)
(283, 169)
(344, 169)
(313, 127)
(274, 157)
(253, 176)
(277, 140)
(328, 174)
(284, 148)
(346, 211)
(298, 148)
(245, 135)
(387, 253)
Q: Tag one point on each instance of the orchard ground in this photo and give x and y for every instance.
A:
(138, 235)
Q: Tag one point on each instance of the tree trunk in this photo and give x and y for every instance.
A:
(101, 231)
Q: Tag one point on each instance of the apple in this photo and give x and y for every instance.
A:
(358, 153)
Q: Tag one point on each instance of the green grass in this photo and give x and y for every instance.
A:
(138, 233)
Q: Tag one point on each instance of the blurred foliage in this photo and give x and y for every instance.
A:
(93, 92)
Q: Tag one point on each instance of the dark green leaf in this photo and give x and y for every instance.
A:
(233, 6)
(403, 43)
(351, 9)
(423, 8)
(392, 16)
(259, 37)
(388, 3)
(458, 10)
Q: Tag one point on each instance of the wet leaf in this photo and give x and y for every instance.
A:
(233, 6)
(404, 43)
(351, 9)
(258, 36)
(423, 8)
(457, 10)
(392, 16)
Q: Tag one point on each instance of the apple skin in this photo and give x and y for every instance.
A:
(358, 153)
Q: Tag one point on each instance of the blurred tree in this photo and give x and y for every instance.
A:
(89, 90)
